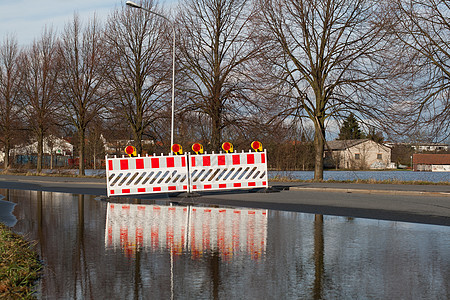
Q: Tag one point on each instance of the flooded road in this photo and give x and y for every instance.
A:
(148, 250)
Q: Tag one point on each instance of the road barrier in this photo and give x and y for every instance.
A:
(144, 175)
(186, 173)
(227, 171)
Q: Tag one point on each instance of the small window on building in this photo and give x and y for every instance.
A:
(357, 156)
(379, 156)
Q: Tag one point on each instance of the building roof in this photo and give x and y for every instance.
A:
(343, 144)
(431, 159)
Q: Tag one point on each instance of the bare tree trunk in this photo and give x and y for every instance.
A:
(137, 136)
(40, 149)
(95, 162)
(319, 145)
(216, 130)
(6, 160)
(81, 151)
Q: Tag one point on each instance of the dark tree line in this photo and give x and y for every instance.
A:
(246, 69)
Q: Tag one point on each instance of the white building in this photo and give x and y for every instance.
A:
(52, 145)
(357, 154)
(433, 147)
(421, 147)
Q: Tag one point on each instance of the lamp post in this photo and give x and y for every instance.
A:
(132, 4)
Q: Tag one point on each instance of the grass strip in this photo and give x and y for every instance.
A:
(19, 266)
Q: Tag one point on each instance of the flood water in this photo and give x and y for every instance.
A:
(98, 250)
(366, 175)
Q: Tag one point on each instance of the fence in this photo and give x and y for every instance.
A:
(186, 173)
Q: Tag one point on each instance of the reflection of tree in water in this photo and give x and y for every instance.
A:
(41, 234)
(214, 265)
(318, 256)
(137, 274)
(82, 285)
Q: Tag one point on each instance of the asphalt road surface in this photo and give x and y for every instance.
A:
(428, 204)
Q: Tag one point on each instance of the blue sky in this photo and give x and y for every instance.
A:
(25, 19)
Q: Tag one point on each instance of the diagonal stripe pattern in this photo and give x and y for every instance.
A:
(144, 175)
(228, 171)
(186, 173)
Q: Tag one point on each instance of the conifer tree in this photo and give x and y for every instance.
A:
(350, 129)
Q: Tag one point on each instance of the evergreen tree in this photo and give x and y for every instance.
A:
(350, 129)
(376, 136)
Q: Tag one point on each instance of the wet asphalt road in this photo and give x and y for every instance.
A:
(428, 204)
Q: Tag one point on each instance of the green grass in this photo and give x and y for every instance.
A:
(19, 266)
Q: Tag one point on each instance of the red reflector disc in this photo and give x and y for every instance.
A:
(129, 150)
(226, 146)
(197, 147)
(176, 148)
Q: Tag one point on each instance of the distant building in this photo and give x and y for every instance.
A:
(433, 147)
(421, 147)
(56, 152)
(357, 154)
(431, 162)
(117, 147)
(52, 146)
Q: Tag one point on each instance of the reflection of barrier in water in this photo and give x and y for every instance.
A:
(181, 229)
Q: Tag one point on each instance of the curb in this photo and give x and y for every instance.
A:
(364, 191)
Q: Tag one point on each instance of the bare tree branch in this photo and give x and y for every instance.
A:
(82, 84)
(40, 93)
(138, 67)
(217, 44)
(325, 58)
(9, 94)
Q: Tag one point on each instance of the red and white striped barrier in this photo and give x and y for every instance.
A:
(226, 171)
(186, 173)
(144, 175)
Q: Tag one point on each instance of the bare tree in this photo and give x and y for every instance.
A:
(138, 67)
(325, 56)
(95, 143)
(216, 47)
(39, 66)
(82, 84)
(423, 27)
(9, 93)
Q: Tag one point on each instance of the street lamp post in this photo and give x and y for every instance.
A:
(132, 4)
